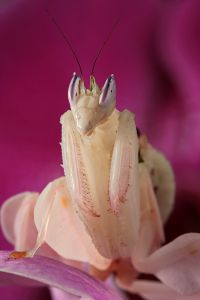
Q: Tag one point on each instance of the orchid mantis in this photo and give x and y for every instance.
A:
(110, 208)
(106, 189)
(105, 184)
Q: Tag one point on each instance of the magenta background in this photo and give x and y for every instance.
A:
(155, 56)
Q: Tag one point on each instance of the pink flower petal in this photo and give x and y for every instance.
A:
(153, 290)
(177, 264)
(58, 294)
(53, 273)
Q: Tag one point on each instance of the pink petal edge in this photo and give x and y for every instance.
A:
(177, 264)
(154, 290)
(57, 294)
(42, 270)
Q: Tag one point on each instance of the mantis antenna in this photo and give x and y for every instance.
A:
(65, 39)
(104, 43)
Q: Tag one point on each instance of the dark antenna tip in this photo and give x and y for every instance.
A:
(65, 38)
(104, 43)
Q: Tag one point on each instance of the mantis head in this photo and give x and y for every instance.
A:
(91, 107)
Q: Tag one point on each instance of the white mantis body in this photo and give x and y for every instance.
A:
(107, 214)
(107, 198)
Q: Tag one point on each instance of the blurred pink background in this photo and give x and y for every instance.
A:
(155, 56)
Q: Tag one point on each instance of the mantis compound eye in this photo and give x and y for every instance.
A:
(74, 89)
(108, 93)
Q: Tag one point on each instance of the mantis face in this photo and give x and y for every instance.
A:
(90, 107)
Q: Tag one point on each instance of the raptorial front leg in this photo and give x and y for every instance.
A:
(124, 163)
(124, 182)
(44, 226)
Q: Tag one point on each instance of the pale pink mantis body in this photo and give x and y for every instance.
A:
(105, 186)
(117, 193)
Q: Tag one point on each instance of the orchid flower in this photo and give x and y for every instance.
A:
(174, 106)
